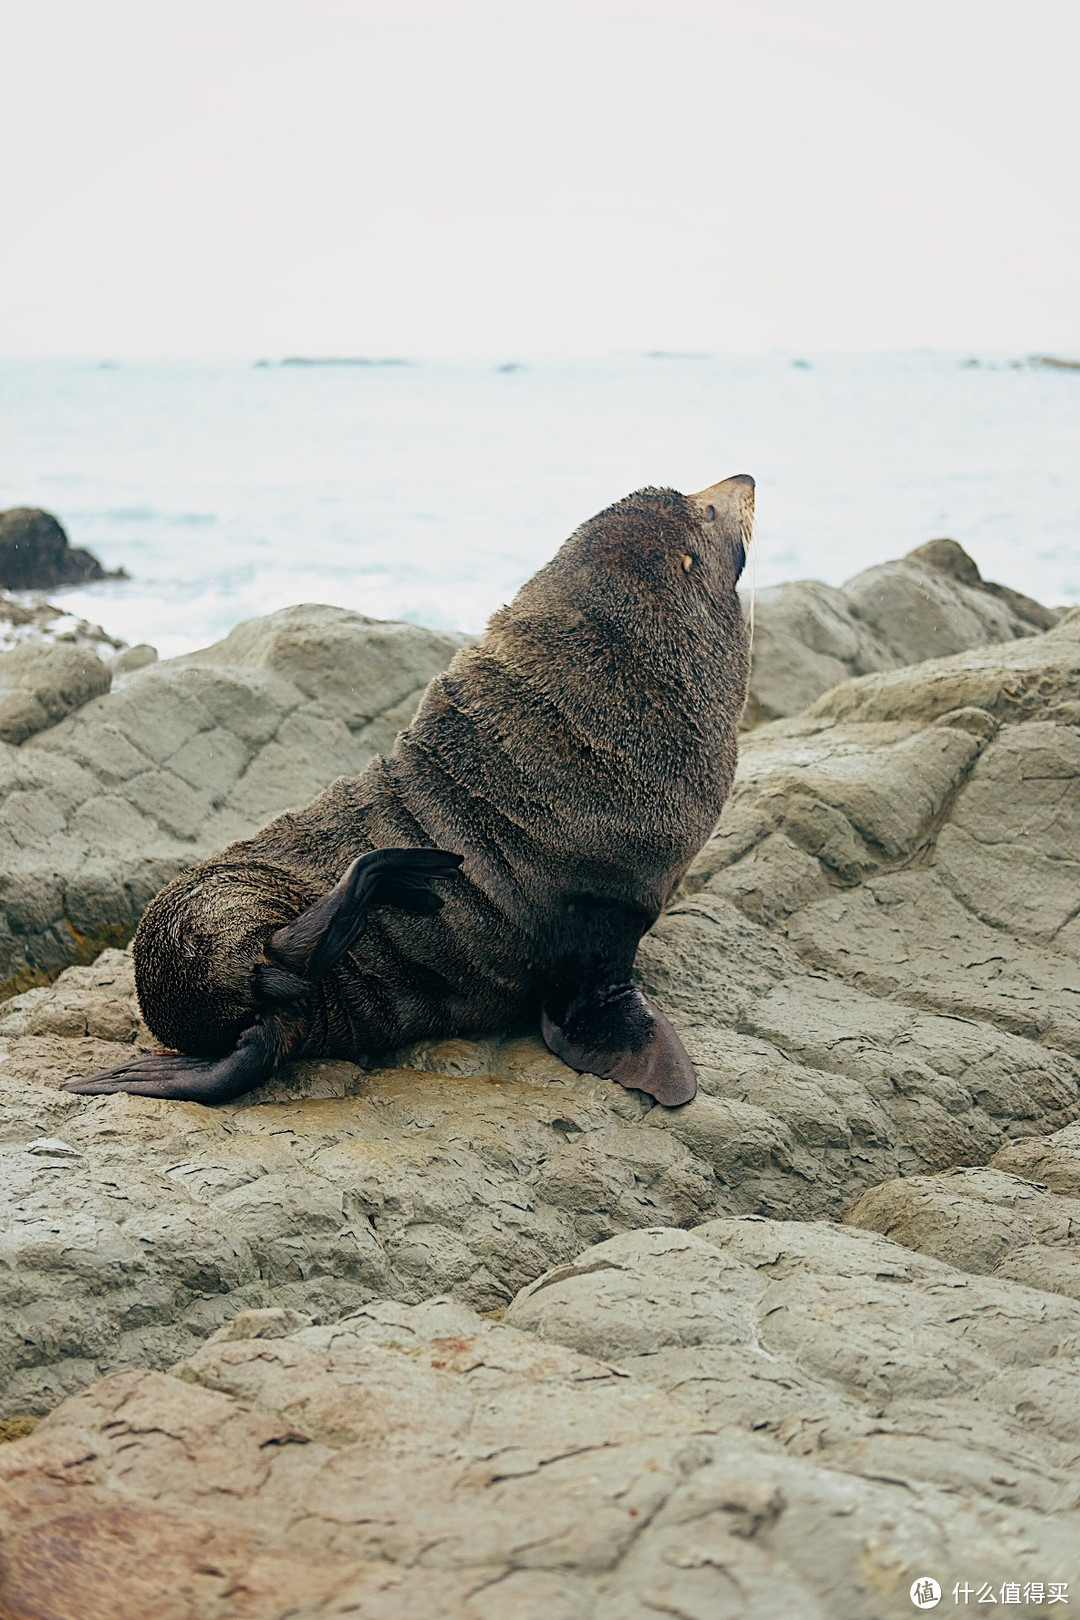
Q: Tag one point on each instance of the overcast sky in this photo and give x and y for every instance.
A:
(339, 176)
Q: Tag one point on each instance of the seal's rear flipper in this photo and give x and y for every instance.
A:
(206, 1080)
(317, 940)
(613, 1031)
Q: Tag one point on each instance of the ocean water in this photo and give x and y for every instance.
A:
(430, 490)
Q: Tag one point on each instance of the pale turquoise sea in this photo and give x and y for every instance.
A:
(430, 490)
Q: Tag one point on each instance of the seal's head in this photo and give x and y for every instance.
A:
(727, 523)
(655, 549)
(649, 584)
(630, 646)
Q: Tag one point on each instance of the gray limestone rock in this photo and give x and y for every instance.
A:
(132, 1227)
(1000, 1221)
(808, 637)
(873, 964)
(103, 808)
(1053, 1161)
(753, 1420)
(41, 683)
(865, 987)
(100, 807)
(913, 836)
(133, 659)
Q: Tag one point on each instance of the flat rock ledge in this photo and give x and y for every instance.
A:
(753, 1419)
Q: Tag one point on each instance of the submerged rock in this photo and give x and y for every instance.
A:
(35, 554)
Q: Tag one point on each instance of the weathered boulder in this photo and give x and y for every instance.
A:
(100, 810)
(916, 835)
(133, 659)
(40, 683)
(35, 555)
(801, 1419)
(1053, 1161)
(808, 636)
(999, 1221)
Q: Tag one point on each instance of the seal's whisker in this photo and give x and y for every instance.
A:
(750, 594)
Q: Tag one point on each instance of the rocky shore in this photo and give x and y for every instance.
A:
(475, 1335)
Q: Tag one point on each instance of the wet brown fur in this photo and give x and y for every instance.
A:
(577, 757)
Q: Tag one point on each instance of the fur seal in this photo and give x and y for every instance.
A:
(574, 761)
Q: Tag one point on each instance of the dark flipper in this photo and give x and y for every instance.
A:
(613, 1031)
(317, 940)
(206, 1080)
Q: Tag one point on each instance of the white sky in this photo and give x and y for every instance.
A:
(340, 176)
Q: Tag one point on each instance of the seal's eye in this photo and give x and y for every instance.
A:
(687, 563)
(710, 514)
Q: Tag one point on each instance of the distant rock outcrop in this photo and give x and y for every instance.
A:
(35, 554)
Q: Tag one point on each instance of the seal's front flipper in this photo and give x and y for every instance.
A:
(206, 1080)
(613, 1031)
(317, 940)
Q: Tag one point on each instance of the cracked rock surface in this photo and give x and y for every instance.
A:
(1018, 1218)
(865, 992)
(98, 811)
(111, 794)
(708, 1397)
(933, 602)
(755, 1419)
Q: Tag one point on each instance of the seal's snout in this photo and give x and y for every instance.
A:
(732, 498)
(730, 506)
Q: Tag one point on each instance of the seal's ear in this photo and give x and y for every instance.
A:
(612, 1031)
